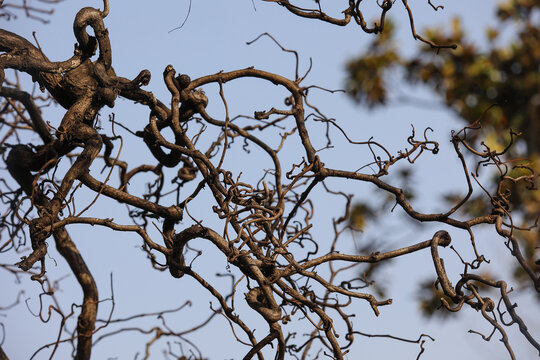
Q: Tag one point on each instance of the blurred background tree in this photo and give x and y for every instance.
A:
(496, 83)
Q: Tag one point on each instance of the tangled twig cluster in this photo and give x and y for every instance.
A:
(266, 232)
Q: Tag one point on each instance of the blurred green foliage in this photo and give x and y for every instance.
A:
(496, 82)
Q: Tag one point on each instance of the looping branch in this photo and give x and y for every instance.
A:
(267, 230)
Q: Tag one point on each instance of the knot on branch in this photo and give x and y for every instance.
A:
(441, 238)
(488, 304)
(182, 81)
(193, 102)
(142, 79)
(176, 265)
(39, 247)
(177, 242)
(175, 259)
(258, 302)
(187, 173)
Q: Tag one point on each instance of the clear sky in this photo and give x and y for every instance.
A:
(213, 39)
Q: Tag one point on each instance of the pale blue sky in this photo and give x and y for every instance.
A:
(213, 39)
